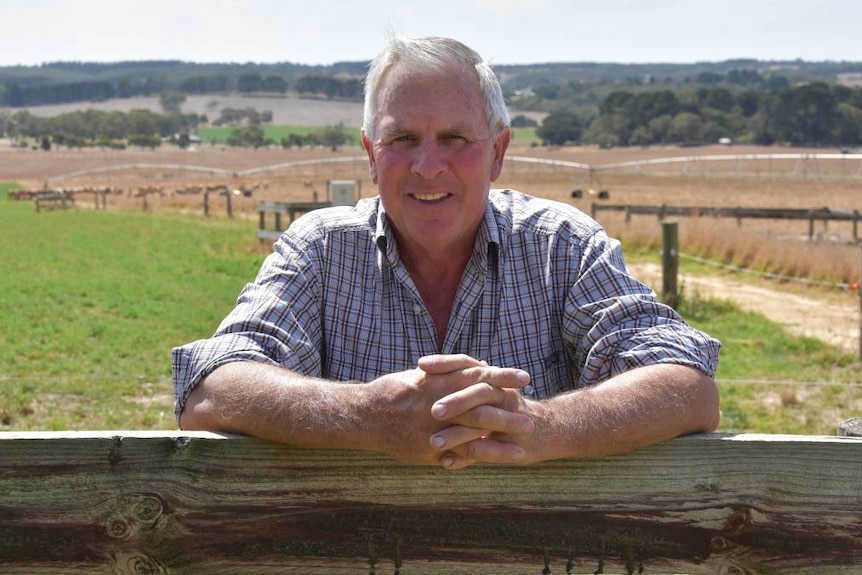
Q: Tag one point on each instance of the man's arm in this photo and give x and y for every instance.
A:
(391, 414)
(638, 408)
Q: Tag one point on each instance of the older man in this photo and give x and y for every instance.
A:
(443, 322)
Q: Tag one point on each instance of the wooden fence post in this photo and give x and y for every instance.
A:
(670, 263)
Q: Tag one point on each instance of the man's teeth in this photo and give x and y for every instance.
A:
(430, 197)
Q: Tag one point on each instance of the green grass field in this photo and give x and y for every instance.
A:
(93, 301)
(220, 134)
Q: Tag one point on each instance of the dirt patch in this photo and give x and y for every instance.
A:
(834, 322)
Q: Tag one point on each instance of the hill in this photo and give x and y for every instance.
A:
(288, 110)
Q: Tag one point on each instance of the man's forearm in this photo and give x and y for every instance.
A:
(633, 410)
(280, 405)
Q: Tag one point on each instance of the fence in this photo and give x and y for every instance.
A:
(49, 200)
(338, 193)
(279, 208)
(811, 215)
(179, 502)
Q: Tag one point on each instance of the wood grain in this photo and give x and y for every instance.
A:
(163, 502)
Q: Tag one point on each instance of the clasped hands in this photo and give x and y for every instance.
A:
(455, 410)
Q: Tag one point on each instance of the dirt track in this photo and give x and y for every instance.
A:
(835, 322)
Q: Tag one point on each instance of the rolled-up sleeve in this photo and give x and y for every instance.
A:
(275, 321)
(618, 323)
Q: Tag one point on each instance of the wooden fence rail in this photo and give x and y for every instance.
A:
(811, 215)
(178, 502)
(292, 209)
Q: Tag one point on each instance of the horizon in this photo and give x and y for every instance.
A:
(493, 64)
(504, 32)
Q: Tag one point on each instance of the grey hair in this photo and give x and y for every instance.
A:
(428, 56)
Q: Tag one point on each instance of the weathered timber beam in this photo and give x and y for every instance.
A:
(175, 502)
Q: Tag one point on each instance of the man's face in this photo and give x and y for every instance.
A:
(433, 159)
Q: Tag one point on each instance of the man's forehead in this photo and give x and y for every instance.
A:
(416, 91)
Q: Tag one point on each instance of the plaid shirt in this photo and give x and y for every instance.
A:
(546, 290)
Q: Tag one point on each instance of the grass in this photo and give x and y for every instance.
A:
(220, 134)
(93, 301)
(772, 382)
(525, 137)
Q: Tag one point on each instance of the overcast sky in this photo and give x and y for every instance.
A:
(503, 31)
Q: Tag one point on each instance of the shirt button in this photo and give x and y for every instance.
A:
(530, 390)
(417, 309)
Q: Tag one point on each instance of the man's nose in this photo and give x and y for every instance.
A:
(428, 161)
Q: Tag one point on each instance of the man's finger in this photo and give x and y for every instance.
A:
(483, 450)
(474, 370)
(446, 363)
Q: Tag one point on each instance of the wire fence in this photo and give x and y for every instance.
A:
(770, 275)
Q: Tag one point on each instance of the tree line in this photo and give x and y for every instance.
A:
(20, 94)
(99, 128)
(809, 114)
(144, 128)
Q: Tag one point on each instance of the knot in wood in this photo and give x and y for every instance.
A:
(117, 527)
(148, 509)
(719, 543)
(142, 565)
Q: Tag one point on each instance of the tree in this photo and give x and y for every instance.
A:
(275, 84)
(560, 128)
(748, 102)
(717, 98)
(849, 125)
(248, 136)
(648, 105)
(608, 130)
(172, 101)
(687, 128)
(522, 121)
(745, 78)
(145, 141)
(333, 136)
(708, 78)
(806, 115)
(183, 141)
(249, 83)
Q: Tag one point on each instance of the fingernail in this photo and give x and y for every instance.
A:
(518, 455)
(438, 441)
(527, 426)
(438, 410)
(447, 461)
(523, 377)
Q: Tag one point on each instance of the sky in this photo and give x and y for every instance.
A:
(503, 31)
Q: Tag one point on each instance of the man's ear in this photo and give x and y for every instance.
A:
(369, 150)
(501, 144)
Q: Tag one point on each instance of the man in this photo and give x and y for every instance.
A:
(380, 326)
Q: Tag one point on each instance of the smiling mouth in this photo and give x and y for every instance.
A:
(429, 197)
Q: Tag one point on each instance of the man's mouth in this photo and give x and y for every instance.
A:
(429, 197)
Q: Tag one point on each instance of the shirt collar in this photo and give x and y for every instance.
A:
(486, 250)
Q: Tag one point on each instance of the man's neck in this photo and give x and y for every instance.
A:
(438, 280)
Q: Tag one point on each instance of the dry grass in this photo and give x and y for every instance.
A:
(775, 246)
